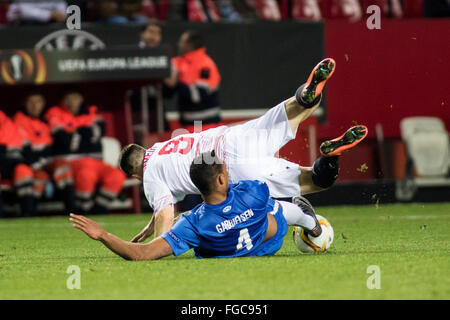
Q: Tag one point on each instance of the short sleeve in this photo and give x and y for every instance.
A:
(181, 237)
(158, 194)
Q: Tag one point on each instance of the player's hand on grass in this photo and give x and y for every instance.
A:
(88, 226)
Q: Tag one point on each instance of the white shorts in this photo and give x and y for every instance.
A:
(251, 150)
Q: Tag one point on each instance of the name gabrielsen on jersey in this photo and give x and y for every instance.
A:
(229, 224)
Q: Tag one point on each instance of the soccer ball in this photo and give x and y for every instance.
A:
(307, 244)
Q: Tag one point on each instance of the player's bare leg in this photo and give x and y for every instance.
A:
(307, 98)
(325, 170)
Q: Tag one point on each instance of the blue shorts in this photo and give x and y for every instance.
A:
(271, 246)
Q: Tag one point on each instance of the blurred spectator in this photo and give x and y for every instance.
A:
(341, 9)
(177, 10)
(144, 100)
(267, 9)
(227, 11)
(388, 8)
(120, 11)
(196, 79)
(304, 10)
(38, 152)
(202, 11)
(395, 9)
(77, 131)
(245, 10)
(151, 34)
(149, 9)
(130, 10)
(18, 176)
(37, 12)
(107, 11)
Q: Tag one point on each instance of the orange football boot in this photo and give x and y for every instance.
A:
(348, 140)
(317, 80)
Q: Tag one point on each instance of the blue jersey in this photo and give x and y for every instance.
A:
(234, 228)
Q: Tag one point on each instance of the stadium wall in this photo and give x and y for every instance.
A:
(379, 71)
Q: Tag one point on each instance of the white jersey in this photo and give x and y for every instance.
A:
(166, 166)
(248, 150)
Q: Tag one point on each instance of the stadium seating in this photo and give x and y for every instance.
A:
(3, 12)
(341, 9)
(306, 10)
(207, 10)
(111, 150)
(427, 143)
(428, 152)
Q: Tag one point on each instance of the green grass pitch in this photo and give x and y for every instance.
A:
(409, 243)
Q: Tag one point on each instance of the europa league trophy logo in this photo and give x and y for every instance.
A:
(20, 66)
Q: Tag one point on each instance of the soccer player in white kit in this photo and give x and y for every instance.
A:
(248, 150)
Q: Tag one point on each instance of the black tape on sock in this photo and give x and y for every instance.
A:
(301, 102)
(325, 171)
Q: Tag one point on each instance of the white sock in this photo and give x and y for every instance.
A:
(295, 216)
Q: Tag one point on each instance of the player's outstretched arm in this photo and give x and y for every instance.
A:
(158, 248)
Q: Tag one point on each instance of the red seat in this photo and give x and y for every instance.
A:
(383, 4)
(413, 9)
(148, 9)
(341, 9)
(108, 118)
(162, 9)
(285, 9)
(196, 12)
(267, 9)
(3, 12)
(306, 10)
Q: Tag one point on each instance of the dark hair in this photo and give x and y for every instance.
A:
(152, 22)
(32, 92)
(68, 89)
(131, 159)
(195, 39)
(204, 170)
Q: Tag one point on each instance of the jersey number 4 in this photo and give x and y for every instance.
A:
(244, 240)
(181, 145)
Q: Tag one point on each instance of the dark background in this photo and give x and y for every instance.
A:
(251, 57)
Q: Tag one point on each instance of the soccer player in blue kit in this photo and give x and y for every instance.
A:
(233, 221)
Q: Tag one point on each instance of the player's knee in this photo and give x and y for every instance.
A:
(114, 180)
(292, 108)
(325, 172)
(41, 175)
(305, 105)
(85, 179)
(22, 171)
